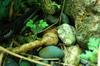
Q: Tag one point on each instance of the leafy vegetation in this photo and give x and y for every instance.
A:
(10, 62)
(37, 27)
(93, 43)
(29, 28)
(42, 24)
(93, 46)
(3, 8)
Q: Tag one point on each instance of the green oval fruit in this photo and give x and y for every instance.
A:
(24, 63)
(10, 62)
(51, 52)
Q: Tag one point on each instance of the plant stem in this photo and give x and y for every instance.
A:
(22, 57)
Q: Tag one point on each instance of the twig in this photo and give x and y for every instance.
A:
(62, 9)
(22, 57)
(39, 58)
(1, 57)
(64, 64)
(2, 53)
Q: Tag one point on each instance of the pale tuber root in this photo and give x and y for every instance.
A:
(49, 38)
(27, 46)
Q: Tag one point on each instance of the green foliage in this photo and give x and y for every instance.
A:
(31, 25)
(56, 5)
(93, 43)
(5, 3)
(10, 62)
(19, 6)
(42, 24)
(89, 55)
(93, 46)
(4, 8)
(36, 27)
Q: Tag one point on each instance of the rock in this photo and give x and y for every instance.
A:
(10, 62)
(97, 8)
(67, 34)
(24, 63)
(86, 14)
(89, 27)
(88, 3)
(72, 55)
(51, 52)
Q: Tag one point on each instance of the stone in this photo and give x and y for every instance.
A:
(67, 34)
(86, 15)
(51, 52)
(72, 55)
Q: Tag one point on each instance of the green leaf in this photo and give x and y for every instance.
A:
(36, 27)
(56, 5)
(30, 24)
(93, 43)
(89, 55)
(33, 27)
(84, 56)
(42, 24)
